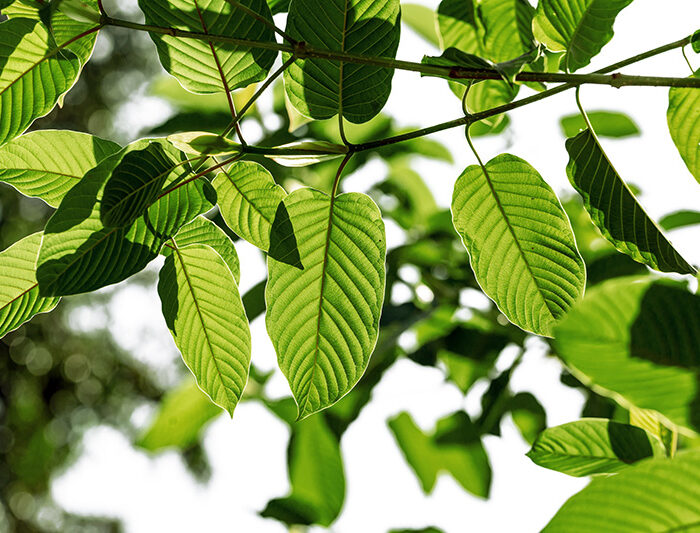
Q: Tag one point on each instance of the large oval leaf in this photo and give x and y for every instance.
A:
(19, 291)
(615, 210)
(33, 75)
(578, 27)
(47, 163)
(658, 495)
(639, 343)
(248, 198)
(684, 124)
(321, 89)
(204, 312)
(208, 67)
(79, 254)
(520, 242)
(593, 446)
(323, 320)
(203, 231)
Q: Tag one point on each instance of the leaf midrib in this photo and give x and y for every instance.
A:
(201, 320)
(515, 238)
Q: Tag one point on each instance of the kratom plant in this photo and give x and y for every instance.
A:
(634, 339)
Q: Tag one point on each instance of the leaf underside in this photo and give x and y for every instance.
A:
(323, 320)
(615, 210)
(520, 242)
(684, 124)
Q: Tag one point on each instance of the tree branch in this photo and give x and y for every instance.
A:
(305, 51)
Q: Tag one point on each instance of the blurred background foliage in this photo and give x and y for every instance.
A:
(57, 381)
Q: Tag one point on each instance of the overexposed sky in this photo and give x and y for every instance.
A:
(247, 453)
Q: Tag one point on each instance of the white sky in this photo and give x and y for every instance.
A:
(248, 454)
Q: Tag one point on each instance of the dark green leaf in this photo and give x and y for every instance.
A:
(528, 414)
(679, 219)
(615, 210)
(78, 254)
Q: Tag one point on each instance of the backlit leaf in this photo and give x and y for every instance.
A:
(659, 495)
(323, 320)
(19, 291)
(203, 231)
(210, 67)
(593, 446)
(78, 254)
(578, 27)
(637, 342)
(615, 210)
(321, 89)
(422, 20)
(47, 163)
(248, 198)
(520, 242)
(684, 124)
(204, 312)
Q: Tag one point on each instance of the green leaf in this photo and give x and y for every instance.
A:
(695, 41)
(78, 254)
(323, 320)
(658, 495)
(46, 164)
(528, 414)
(321, 89)
(605, 124)
(460, 453)
(593, 446)
(79, 11)
(679, 219)
(278, 6)
(35, 73)
(183, 413)
(683, 117)
(454, 57)
(422, 20)
(204, 312)
(208, 67)
(579, 27)
(248, 198)
(138, 179)
(459, 26)
(203, 231)
(637, 342)
(615, 210)
(520, 242)
(19, 291)
(315, 474)
(508, 28)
